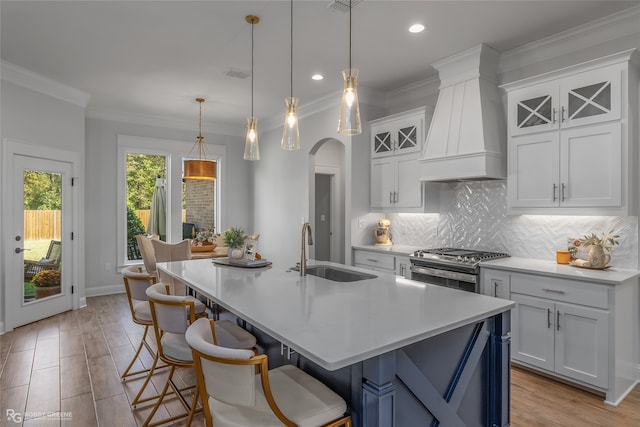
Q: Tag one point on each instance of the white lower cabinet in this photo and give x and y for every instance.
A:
(567, 339)
(385, 263)
(579, 330)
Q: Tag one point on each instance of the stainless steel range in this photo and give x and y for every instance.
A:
(451, 267)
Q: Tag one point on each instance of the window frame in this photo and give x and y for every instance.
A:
(175, 152)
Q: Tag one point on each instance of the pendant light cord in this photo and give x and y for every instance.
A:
(291, 52)
(349, 40)
(252, 25)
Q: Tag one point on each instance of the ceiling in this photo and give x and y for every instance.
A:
(153, 58)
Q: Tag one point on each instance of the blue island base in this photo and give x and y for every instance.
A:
(458, 378)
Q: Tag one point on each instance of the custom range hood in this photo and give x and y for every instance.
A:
(467, 136)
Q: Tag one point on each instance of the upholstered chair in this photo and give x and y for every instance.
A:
(172, 315)
(167, 252)
(233, 394)
(148, 255)
(136, 281)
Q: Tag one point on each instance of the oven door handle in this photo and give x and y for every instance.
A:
(454, 275)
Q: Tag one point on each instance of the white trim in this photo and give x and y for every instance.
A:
(332, 100)
(97, 291)
(336, 206)
(39, 83)
(2, 328)
(12, 147)
(174, 150)
(612, 27)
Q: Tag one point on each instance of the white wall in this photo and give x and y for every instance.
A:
(101, 187)
(34, 118)
(281, 180)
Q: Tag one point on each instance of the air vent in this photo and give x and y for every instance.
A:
(342, 6)
(238, 74)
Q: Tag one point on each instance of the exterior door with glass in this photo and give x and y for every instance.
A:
(39, 271)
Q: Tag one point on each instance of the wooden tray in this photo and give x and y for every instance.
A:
(203, 248)
(590, 268)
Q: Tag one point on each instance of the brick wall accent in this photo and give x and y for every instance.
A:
(199, 202)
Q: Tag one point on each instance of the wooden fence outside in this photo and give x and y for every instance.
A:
(45, 225)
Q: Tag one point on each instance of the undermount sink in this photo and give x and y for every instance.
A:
(337, 274)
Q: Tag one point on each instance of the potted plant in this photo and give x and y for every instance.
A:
(600, 248)
(47, 283)
(234, 239)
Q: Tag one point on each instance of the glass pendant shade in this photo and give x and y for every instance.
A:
(349, 122)
(200, 170)
(290, 132)
(251, 148)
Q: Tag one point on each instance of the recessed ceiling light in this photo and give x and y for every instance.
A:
(317, 77)
(416, 28)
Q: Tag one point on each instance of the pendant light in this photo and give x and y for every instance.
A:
(290, 133)
(251, 147)
(201, 169)
(349, 121)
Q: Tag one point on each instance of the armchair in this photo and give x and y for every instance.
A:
(50, 262)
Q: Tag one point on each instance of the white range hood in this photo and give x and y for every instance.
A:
(467, 136)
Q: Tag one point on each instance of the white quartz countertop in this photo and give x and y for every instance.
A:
(404, 250)
(611, 276)
(331, 323)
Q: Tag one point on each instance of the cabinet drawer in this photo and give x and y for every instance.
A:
(377, 260)
(572, 291)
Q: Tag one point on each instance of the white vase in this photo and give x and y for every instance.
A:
(235, 253)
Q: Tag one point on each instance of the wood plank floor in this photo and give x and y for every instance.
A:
(72, 363)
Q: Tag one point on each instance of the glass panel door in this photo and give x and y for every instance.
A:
(42, 219)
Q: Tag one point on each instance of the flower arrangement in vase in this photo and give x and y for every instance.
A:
(600, 248)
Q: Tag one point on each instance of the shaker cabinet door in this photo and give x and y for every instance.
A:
(582, 350)
(533, 331)
(534, 170)
(591, 159)
(383, 182)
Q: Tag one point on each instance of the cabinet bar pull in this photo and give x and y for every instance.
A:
(557, 320)
(563, 188)
(555, 187)
(548, 318)
(562, 114)
(554, 115)
(555, 291)
(390, 197)
(372, 260)
(395, 197)
(495, 289)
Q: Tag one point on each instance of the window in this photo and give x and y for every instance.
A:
(189, 206)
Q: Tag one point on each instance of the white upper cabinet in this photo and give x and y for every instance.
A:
(580, 99)
(398, 134)
(572, 149)
(396, 145)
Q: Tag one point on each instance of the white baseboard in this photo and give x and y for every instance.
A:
(103, 290)
(83, 302)
(1, 328)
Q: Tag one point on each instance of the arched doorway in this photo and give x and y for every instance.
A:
(327, 200)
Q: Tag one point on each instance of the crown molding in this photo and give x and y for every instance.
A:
(332, 100)
(138, 118)
(22, 77)
(611, 27)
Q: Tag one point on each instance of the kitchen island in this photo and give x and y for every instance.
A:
(401, 353)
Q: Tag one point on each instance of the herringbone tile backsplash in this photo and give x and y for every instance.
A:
(475, 216)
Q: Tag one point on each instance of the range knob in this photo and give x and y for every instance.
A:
(459, 258)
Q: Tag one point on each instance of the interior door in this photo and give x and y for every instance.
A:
(41, 225)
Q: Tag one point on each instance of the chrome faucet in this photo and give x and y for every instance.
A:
(303, 253)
